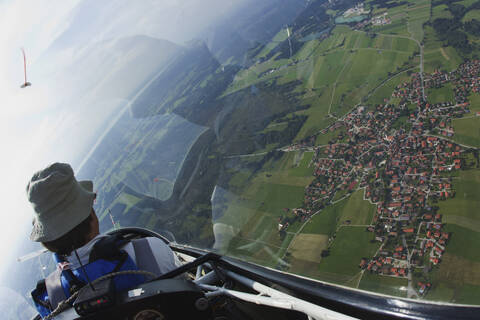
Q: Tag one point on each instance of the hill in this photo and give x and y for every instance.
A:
(189, 84)
(253, 24)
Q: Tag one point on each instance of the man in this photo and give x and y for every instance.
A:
(66, 224)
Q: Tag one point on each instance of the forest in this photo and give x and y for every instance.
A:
(452, 31)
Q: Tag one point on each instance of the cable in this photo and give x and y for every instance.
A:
(65, 304)
(83, 269)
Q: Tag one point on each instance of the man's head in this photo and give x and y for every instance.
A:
(61, 203)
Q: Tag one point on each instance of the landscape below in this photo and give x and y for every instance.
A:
(343, 148)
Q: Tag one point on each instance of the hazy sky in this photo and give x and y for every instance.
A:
(25, 126)
(52, 120)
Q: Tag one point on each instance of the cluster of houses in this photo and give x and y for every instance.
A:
(357, 10)
(332, 175)
(433, 242)
(381, 20)
(302, 213)
(401, 169)
(361, 24)
(411, 90)
(386, 266)
(409, 240)
(437, 118)
(464, 80)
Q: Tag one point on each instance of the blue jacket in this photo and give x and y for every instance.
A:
(106, 254)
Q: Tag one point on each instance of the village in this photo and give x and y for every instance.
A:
(357, 10)
(402, 156)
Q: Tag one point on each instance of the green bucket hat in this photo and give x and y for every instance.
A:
(59, 200)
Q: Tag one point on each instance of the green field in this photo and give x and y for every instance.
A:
(323, 139)
(439, 95)
(275, 127)
(274, 197)
(442, 58)
(441, 291)
(455, 280)
(417, 16)
(407, 19)
(292, 169)
(403, 44)
(265, 250)
(252, 216)
(340, 194)
(317, 113)
(349, 246)
(461, 242)
(354, 208)
(357, 210)
(365, 71)
(441, 11)
(239, 179)
(341, 265)
(431, 40)
(325, 222)
(436, 56)
(385, 90)
(472, 14)
(251, 227)
(467, 198)
(327, 69)
(250, 76)
(303, 169)
(474, 100)
(469, 294)
(467, 131)
(306, 253)
(398, 27)
(384, 284)
(466, 3)
(279, 37)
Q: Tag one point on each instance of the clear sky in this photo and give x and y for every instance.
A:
(56, 118)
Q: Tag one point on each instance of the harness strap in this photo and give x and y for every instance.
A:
(54, 288)
(121, 261)
(144, 256)
(75, 283)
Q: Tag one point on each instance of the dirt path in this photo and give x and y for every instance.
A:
(444, 54)
(335, 85)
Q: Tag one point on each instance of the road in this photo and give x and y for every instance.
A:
(411, 293)
(284, 149)
(247, 155)
(387, 80)
(421, 59)
(450, 140)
